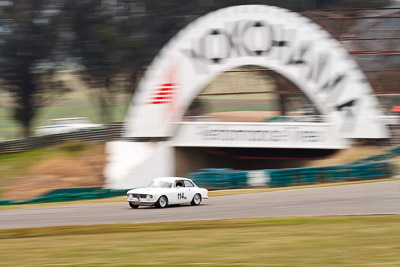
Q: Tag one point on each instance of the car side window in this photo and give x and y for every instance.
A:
(179, 183)
(188, 183)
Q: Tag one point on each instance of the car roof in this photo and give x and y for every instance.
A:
(170, 179)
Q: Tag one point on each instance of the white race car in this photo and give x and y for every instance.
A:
(166, 191)
(66, 125)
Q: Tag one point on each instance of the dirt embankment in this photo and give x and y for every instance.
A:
(85, 169)
(346, 156)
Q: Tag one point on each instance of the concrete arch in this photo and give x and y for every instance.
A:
(266, 36)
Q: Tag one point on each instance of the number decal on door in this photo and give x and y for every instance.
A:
(181, 196)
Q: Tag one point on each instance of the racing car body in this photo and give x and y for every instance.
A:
(166, 191)
(66, 125)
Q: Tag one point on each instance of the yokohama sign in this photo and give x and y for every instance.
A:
(264, 36)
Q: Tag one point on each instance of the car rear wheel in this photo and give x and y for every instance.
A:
(162, 202)
(196, 200)
(133, 206)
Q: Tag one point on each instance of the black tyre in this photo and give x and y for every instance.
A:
(196, 200)
(162, 202)
(133, 206)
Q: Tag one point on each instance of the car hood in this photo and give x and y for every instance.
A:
(148, 190)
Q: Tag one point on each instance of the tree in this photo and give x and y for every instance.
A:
(104, 45)
(27, 58)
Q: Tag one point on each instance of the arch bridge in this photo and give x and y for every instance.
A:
(269, 37)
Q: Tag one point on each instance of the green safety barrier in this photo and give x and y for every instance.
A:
(73, 190)
(239, 179)
(5, 202)
(69, 194)
(228, 178)
(214, 178)
(336, 173)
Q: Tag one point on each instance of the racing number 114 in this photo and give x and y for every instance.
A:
(181, 196)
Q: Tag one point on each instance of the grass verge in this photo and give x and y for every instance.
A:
(326, 241)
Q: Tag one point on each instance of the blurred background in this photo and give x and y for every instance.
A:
(69, 66)
(68, 59)
(68, 72)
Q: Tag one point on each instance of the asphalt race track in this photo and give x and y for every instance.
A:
(355, 199)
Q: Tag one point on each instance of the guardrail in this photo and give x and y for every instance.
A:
(228, 178)
(69, 194)
(110, 132)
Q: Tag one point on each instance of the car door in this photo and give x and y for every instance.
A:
(180, 195)
(190, 190)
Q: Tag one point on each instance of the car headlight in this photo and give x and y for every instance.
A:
(149, 197)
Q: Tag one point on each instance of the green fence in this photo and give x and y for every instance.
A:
(69, 194)
(228, 178)
(220, 178)
(336, 173)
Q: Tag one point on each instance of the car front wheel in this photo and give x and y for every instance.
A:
(162, 202)
(196, 200)
(133, 206)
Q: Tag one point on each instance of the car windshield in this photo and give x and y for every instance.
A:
(160, 184)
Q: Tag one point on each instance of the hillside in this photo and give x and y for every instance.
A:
(29, 174)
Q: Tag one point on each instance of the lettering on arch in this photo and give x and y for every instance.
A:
(265, 36)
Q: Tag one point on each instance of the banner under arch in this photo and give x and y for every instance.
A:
(265, 36)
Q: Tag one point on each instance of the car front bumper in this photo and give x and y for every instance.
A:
(140, 202)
